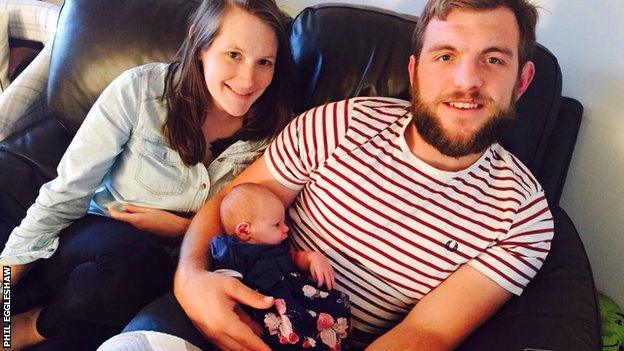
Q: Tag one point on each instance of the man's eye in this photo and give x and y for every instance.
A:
(445, 57)
(277, 225)
(494, 60)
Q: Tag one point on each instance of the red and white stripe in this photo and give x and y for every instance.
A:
(389, 222)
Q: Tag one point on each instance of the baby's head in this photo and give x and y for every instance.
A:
(253, 214)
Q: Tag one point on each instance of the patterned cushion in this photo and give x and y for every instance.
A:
(23, 102)
(4, 50)
(31, 19)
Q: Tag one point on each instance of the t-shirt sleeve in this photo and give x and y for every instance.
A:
(306, 143)
(514, 259)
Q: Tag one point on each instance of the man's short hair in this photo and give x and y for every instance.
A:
(525, 12)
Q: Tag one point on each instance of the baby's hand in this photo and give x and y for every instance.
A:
(321, 270)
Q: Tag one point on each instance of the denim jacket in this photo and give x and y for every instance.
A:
(119, 156)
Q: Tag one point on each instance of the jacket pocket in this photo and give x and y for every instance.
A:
(161, 170)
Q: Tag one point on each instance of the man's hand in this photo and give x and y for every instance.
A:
(210, 299)
(211, 302)
(319, 266)
(151, 220)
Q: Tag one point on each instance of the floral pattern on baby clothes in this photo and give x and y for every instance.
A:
(308, 343)
(311, 292)
(330, 332)
(292, 323)
(280, 324)
(306, 317)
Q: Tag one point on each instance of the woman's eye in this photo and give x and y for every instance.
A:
(233, 54)
(265, 62)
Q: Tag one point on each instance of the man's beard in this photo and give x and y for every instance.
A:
(430, 129)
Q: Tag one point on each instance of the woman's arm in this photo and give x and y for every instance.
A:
(209, 299)
(88, 158)
(160, 222)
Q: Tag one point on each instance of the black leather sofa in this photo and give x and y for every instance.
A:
(340, 51)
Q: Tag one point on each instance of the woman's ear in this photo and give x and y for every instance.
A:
(242, 232)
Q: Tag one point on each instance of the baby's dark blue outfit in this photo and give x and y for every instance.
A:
(303, 315)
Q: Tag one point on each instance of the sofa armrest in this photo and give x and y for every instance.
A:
(28, 159)
(558, 309)
(554, 167)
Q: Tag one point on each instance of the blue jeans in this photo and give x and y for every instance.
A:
(165, 315)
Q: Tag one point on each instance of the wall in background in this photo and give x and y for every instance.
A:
(588, 39)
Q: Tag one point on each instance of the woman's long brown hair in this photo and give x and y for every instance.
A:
(188, 98)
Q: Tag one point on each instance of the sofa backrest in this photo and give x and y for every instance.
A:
(98, 40)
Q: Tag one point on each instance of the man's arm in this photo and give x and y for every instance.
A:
(210, 299)
(447, 315)
(206, 223)
(467, 298)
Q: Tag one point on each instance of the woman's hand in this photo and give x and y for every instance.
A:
(321, 270)
(211, 300)
(160, 222)
(17, 271)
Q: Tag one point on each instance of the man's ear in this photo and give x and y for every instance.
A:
(525, 78)
(412, 66)
(242, 231)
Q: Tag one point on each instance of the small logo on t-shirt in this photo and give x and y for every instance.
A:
(451, 245)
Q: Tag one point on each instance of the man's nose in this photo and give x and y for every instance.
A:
(285, 228)
(468, 75)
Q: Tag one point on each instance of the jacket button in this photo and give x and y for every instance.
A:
(203, 186)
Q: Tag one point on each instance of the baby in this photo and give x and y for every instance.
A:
(255, 249)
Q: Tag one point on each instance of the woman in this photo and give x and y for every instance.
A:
(160, 141)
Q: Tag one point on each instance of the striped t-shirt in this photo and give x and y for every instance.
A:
(394, 227)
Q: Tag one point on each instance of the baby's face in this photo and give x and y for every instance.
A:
(269, 227)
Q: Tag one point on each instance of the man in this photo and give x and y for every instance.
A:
(430, 225)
